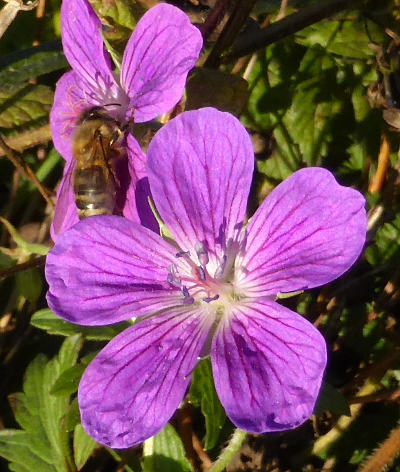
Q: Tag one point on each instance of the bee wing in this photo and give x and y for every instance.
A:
(65, 213)
(99, 154)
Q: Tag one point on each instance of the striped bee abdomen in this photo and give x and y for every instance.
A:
(94, 190)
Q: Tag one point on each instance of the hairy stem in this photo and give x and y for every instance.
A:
(228, 453)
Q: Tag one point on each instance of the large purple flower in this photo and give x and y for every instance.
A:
(212, 291)
(158, 56)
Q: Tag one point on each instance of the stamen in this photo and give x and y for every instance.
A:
(221, 269)
(202, 273)
(187, 299)
(182, 254)
(173, 277)
(211, 299)
(201, 252)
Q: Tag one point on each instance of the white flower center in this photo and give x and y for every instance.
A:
(205, 283)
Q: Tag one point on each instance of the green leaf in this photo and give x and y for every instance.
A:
(16, 447)
(165, 452)
(203, 394)
(313, 106)
(6, 261)
(25, 106)
(18, 68)
(73, 416)
(121, 12)
(29, 284)
(330, 399)
(83, 446)
(120, 16)
(350, 39)
(45, 319)
(386, 246)
(68, 382)
(43, 439)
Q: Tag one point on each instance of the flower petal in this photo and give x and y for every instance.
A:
(69, 101)
(135, 384)
(84, 49)
(65, 213)
(136, 206)
(268, 364)
(162, 49)
(200, 167)
(308, 231)
(107, 269)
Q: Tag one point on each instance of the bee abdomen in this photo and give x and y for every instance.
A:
(94, 192)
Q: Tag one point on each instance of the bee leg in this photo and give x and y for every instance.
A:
(116, 136)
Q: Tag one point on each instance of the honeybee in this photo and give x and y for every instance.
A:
(95, 146)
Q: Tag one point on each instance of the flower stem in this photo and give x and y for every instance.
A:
(231, 449)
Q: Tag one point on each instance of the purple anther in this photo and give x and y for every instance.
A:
(187, 299)
(202, 273)
(173, 278)
(182, 254)
(221, 269)
(211, 299)
(201, 252)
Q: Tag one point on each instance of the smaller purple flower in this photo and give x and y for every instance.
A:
(212, 291)
(160, 52)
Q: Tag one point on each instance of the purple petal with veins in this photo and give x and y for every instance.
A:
(267, 365)
(111, 269)
(137, 190)
(69, 102)
(84, 48)
(159, 54)
(308, 231)
(135, 384)
(65, 213)
(200, 168)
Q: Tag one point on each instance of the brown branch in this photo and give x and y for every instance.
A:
(374, 370)
(385, 454)
(37, 262)
(282, 10)
(234, 24)
(203, 456)
(387, 395)
(214, 18)
(28, 139)
(25, 170)
(291, 24)
(378, 179)
(185, 431)
(9, 12)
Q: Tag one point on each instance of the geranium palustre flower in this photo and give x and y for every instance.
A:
(162, 49)
(212, 291)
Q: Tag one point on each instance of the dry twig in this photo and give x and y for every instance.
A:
(9, 12)
(385, 454)
(36, 262)
(25, 170)
(378, 179)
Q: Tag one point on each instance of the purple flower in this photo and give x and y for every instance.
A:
(158, 56)
(212, 291)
